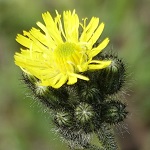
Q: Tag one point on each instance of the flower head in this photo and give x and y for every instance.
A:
(56, 53)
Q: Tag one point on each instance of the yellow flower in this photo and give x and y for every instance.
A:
(58, 52)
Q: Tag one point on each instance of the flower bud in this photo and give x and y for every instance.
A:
(84, 113)
(62, 118)
(112, 78)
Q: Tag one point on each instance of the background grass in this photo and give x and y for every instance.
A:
(23, 124)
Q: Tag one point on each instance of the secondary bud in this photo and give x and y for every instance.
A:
(84, 112)
(62, 118)
(114, 112)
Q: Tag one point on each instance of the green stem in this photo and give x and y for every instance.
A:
(90, 147)
(106, 137)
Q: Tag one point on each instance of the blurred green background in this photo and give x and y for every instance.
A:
(23, 123)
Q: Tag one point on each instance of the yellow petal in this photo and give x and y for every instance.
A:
(44, 39)
(39, 36)
(50, 40)
(79, 76)
(71, 80)
(26, 42)
(96, 34)
(62, 80)
(89, 30)
(52, 27)
(35, 44)
(100, 65)
(98, 49)
(71, 25)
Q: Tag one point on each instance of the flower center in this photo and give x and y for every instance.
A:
(65, 49)
(67, 57)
